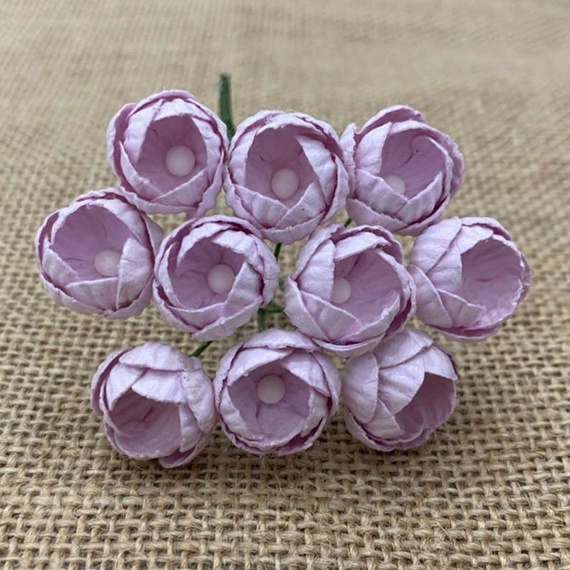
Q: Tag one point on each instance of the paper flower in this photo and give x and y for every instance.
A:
(156, 403)
(470, 277)
(404, 172)
(168, 152)
(275, 392)
(97, 255)
(398, 394)
(285, 174)
(350, 290)
(212, 275)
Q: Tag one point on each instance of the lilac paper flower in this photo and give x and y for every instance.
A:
(286, 174)
(275, 392)
(212, 275)
(350, 290)
(168, 152)
(156, 403)
(404, 172)
(398, 394)
(97, 255)
(470, 277)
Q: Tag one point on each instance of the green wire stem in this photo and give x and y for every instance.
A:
(201, 349)
(225, 103)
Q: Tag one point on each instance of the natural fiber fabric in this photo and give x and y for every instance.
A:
(490, 490)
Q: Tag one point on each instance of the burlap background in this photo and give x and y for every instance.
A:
(490, 490)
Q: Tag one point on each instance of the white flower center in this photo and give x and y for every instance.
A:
(284, 183)
(221, 278)
(271, 389)
(341, 291)
(396, 183)
(180, 160)
(107, 262)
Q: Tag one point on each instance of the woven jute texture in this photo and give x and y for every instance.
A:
(490, 490)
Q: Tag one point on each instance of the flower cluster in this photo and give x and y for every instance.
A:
(285, 175)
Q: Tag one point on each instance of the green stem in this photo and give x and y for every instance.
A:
(282, 284)
(201, 349)
(348, 222)
(261, 320)
(277, 250)
(225, 103)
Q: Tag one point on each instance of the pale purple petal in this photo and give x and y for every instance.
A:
(354, 349)
(247, 361)
(470, 277)
(160, 385)
(98, 382)
(139, 139)
(200, 395)
(156, 403)
(430, 308)
(278, 339)
(118, 385)
(349, 290)
(360, 386)
(190, 433)
(397, 395)
(184, 289)
(97, 255)
(309, 150)
(149, 438)
(157, 356)
(404, 172)
(225, 326)
(310, 388)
